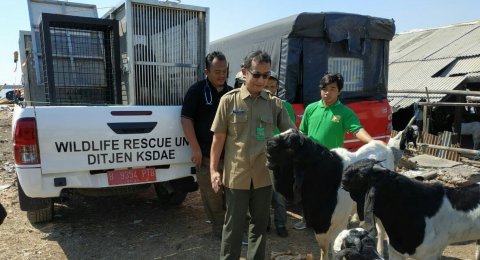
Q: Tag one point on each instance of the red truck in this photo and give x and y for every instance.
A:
(304, 47)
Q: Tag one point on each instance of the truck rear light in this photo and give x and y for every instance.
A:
(25, 143)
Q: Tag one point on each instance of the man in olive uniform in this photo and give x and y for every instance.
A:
(246, 118)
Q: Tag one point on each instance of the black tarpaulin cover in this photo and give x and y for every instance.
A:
(303, 47)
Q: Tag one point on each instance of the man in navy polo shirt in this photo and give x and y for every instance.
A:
(199, 107)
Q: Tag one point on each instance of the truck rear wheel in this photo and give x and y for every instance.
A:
(38, 209)
(41, 215)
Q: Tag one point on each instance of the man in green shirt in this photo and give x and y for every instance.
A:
(328, 120)
(272, 87)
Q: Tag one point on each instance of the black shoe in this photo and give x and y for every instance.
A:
(282, 232)
(217, 231)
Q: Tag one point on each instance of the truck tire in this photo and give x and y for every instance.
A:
(167, 195)
(41, 215)
(38, 209)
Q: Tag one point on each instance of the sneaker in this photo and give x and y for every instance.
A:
(282, 232)
(300, 225)
(217, 232)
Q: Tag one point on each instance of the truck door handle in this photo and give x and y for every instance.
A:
(132, 127)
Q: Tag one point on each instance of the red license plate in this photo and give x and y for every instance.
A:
(131, 176)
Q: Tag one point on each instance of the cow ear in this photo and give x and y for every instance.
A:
(377, 167)
(296, 141)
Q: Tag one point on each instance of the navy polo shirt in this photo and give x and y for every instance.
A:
(200, 105)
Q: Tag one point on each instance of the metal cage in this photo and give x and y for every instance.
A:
(163, 46)
(81, 59)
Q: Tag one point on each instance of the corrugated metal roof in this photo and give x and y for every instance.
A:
(464, 66)
(466, 46)
(437, 59)
(474, 75)
(398, 101)
(402, 100)
(414, 72)
(429, 44)
(403, 44)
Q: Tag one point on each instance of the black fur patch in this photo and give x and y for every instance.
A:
(316, 171)
(400, 203)
(465, 198)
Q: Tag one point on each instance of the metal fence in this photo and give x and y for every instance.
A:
(351, 70)
(169, 47)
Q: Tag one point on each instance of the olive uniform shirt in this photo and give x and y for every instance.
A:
(241, 116)
(328, 125)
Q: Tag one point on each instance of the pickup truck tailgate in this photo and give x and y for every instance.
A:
(101, 138)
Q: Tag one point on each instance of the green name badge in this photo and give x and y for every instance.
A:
(260, 133)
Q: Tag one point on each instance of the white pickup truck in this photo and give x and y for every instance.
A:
(103, 98)
(59, 148)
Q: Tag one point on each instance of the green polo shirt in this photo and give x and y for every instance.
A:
(239, 115)
(290, 112)
(328, 125)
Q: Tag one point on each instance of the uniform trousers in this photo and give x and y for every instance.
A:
(213, 202)
(240, 203)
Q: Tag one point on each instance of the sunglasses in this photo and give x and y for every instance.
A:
(257, 75)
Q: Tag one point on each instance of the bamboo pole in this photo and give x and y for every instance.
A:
(472, 99)
(411, 121)
(453, 149)
(448, 104)
(450, 92)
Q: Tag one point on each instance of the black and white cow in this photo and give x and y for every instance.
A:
(307, 171)
(420, 219)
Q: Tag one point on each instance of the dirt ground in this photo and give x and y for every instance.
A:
(128, 227)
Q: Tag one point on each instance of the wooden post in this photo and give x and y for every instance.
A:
(457, 120)
(426, 118)
(426, 122)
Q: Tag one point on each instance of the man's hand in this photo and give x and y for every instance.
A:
(216, 180)
(197, 156)
(189, 131)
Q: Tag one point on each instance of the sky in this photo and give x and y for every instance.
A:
(229, 17)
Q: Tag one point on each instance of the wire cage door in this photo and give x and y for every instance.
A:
(81, 60)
